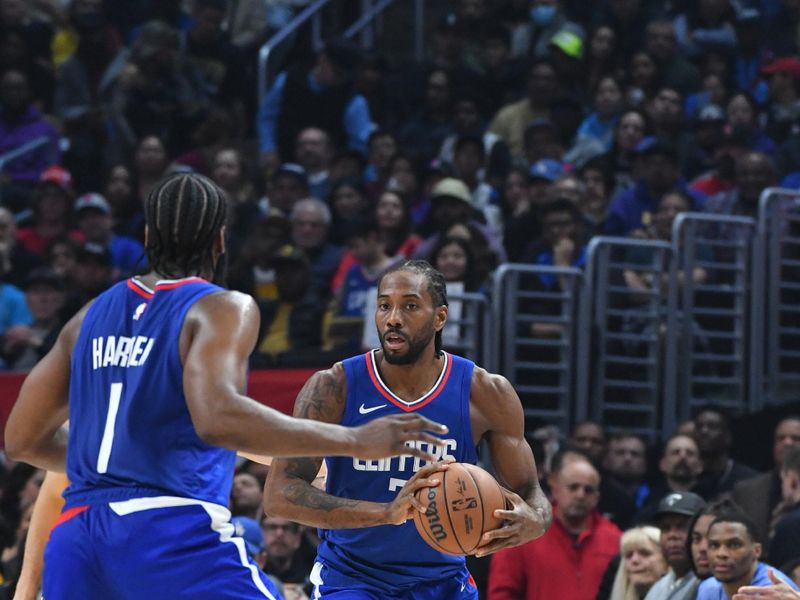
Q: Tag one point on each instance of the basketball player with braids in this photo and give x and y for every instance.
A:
(151, 375)
(369, 547)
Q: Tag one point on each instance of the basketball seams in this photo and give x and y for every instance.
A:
(447, 510)
(482, 511)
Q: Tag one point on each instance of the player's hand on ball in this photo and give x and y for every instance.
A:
(522, 524)
(405, 503)
(387, 436)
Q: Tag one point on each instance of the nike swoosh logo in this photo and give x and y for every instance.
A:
(365, 411)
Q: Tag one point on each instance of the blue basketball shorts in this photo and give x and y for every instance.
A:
(329, 584)
(154, 548)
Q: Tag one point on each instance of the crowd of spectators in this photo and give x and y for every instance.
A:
(531, 126)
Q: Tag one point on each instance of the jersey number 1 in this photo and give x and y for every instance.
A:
(108, 432)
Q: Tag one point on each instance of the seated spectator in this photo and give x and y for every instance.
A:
(286, 185)
(382, 146)
(84, 88)
(547, 18)
(21, 122)
(348, 202)
(320, 97)
(232, 175)
(759, 497)
(286, 559)
(154, 94)
(45, 296)
(52, 211)
(451, 204)
(575, 551)
(250, 531)
(706, 25)
(625, 465)
(17, 53)
(93, 274)
(314, 152)
(453, 258)
(680, 467)
(642, 564)
(709, 135)
(673, 518)
(753, 172)
(714, 438)
(291, 325)
(590, 437)
(698, 535)
(661, 43)
(14, 315)
(467, 121)
(127, 209)
(18, 261)
(150, 162)
(311, 222)
(644, 79)
(629, 133)
(596, 133)
(786, 515)
(560, 245)
(407, 178)
(62, 256)
(246, 496)
(520, 220)
(542, 140)
(93, 214)
(503, 74)
(783, 76)
(394, 222)
(721, 177)
(668, 122)
(603, 55)
(734, 554)
(742, 113)
(426, 129)
(358, 290)
(485, 260)
(468, 161)
(252, 271)
(511, 120)
(598, 179)
(633, 209)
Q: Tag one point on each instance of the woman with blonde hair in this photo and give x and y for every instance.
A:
(642, 563)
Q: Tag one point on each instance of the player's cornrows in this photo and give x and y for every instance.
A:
(437, 286)
(184, 215)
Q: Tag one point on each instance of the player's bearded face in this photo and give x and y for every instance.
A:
(413, 347)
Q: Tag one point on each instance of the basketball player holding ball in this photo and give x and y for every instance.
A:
(369, 547)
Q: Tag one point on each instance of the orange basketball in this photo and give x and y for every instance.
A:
(460, 509)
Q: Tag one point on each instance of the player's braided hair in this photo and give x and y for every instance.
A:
(184, 215)
(437, 287)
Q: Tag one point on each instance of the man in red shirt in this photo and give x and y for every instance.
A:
(568, 561)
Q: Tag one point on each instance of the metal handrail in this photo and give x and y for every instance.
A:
(23, 149)
(264, 53)
(369, 15)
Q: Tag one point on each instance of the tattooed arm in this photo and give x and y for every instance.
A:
(289, 492)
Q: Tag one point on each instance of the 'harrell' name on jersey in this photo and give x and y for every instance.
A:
(120, 351)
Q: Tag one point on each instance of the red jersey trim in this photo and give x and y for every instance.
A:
(68, 514)
(171, 285)
(369, 357)
(139, 289)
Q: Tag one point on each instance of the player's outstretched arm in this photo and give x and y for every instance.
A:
(289, 492)
(219, 333)
(45, 512)
(34, 432)
(499, 412)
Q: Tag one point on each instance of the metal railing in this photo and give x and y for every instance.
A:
(468, 328)
(534, 312)
(621, 333)
(779, 284)
(365, 25)
(711, 343)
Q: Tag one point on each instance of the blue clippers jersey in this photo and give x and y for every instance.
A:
(391, 557)
(131, 434)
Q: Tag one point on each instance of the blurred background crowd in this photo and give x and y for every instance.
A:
(529, 127)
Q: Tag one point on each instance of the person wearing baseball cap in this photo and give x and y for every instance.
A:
(783, 78)
(93, 214)
(673, 516)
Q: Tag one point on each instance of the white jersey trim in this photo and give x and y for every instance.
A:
(220, 522)
(398, 398)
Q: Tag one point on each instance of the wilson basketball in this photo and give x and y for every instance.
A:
(460, 509)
